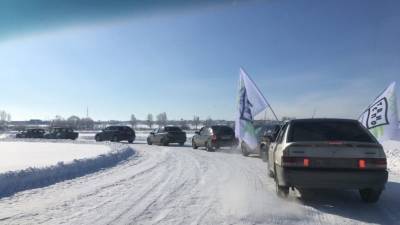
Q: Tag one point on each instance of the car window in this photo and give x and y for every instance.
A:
(203, 131)
(328, 131)
(281, 134)
(173, 129)
(222, 130)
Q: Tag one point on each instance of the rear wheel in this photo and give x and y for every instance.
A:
(194, 146)
(130, 141)
(165, 142)
(98, 138)
(263, 154)
(281, 191)
(209, 147)
(370, 195)
(270, 173)
(244, 150)
(149, 141)
(181, 143)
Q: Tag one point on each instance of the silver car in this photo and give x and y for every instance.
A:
(328, 153)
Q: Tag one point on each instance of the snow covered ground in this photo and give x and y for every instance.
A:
(179, 185)
(392, 150)
(22, 155)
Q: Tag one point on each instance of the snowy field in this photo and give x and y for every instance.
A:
(22, 155)
(179, 185)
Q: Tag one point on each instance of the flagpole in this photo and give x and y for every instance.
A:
(273, 112)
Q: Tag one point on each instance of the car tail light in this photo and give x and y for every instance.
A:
(306, 162)
(361, 164)
(214, 138)
(380, 163)
(295, 161)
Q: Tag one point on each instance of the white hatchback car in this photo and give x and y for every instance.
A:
(328, 153)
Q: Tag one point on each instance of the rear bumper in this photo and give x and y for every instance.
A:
(172, 139)
(223, 143)
(335, 179)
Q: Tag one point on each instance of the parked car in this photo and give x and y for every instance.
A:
(31, 133)
(214, 137)
(116, 134)
(166, 135)
(265, 135)
(328, 153)
(61, 133)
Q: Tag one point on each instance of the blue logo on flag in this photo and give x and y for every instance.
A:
(245, 106)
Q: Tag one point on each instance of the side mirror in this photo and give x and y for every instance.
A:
(152, 133)
(197, 132)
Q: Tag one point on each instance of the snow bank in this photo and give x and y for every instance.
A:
(392, 150)
(19, 155)
(15, 181)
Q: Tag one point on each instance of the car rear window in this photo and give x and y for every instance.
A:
(222, 130)
(328, 131)
(173, 129)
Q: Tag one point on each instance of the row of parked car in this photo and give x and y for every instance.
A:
(54, 133)
(209, 137)
(112, 133)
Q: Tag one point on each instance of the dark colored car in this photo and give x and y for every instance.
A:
(265, 135)
(166, 135)
(116, 134)
(31, 133)
(214, 137)
(61, 133)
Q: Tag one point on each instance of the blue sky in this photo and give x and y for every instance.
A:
(332, 56)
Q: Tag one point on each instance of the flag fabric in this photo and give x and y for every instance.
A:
(250, 103)
(381, 117)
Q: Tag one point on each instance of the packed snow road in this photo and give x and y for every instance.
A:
(178, 185)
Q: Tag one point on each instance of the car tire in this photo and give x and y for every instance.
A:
(115, 139)
(244, 150)
(181, 143)
(263, 155)
(194, 146)
(370, 195)
(271, 174)
(208, 147)
(98, 138)
(164, 142)
(281, 191)
(130, 141)
(149, 141)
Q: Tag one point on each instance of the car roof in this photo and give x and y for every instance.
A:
(324, 120)
(216, 126)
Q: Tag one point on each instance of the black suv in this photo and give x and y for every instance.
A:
(116, 134)
(31, 133)
(214, 137)
(166, 135)
(61, 133)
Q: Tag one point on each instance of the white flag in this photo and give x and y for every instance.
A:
(381, 116)
(250, 103)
